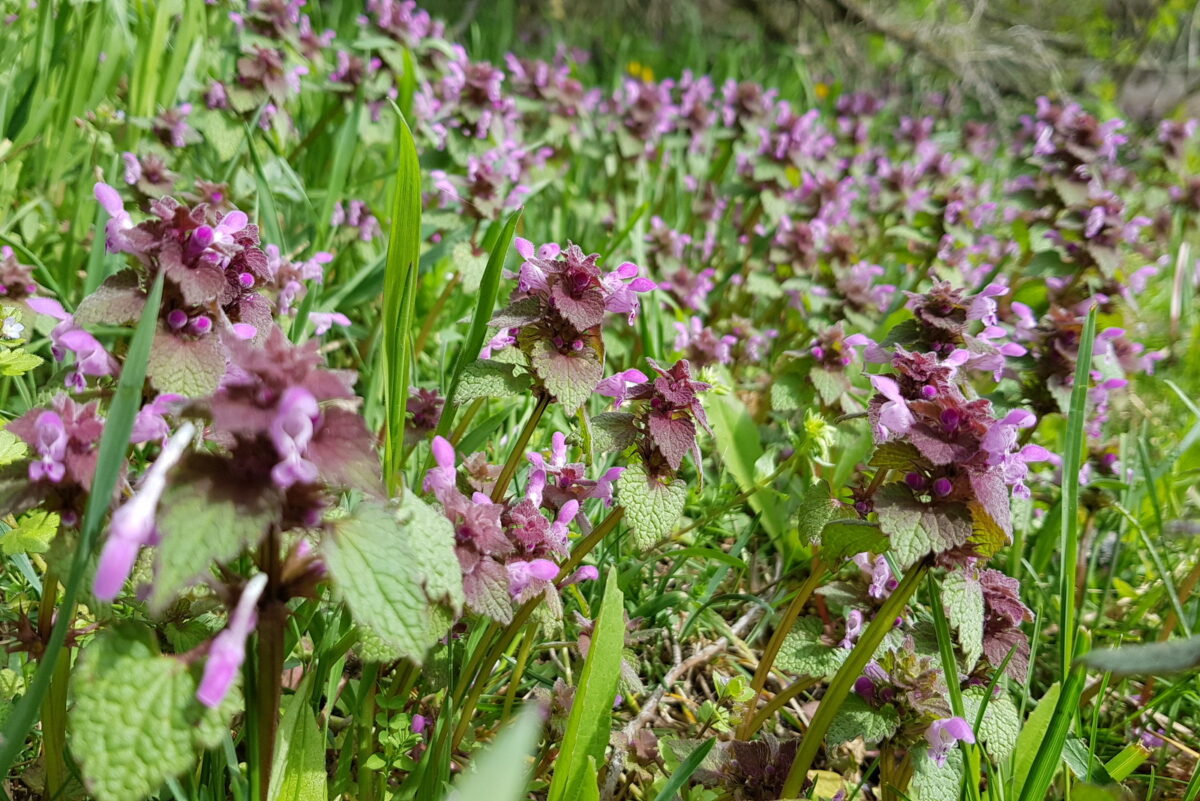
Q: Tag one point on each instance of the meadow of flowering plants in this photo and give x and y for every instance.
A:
(399, 412)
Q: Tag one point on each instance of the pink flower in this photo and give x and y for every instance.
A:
(150, 423)
(133, 524)
(228, 649)
(895, 418)
(521, 574)
(90, 356)
(323, 321)
(291, 431)
(51, 447)
(943, 734)
(617, 386)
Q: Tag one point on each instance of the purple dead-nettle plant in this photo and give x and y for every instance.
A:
(555, 315)
(213, 268)
(509, 551)
(62, 440)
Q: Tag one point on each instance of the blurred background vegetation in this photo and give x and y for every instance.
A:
(1136, 58)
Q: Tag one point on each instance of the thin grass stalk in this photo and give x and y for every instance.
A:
(1072, 455)
(759, 682)
(851, 669)
(517, 454)
(113, 445)
(777, 702)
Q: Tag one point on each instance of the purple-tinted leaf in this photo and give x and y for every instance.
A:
(117, 301)
(343, 449)
(518, 313)
(583, 310)
(674, 436)
(200, 283)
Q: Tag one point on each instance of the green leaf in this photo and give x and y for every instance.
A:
(612, 431)
(570, 377)
(111, 459)
(651, 508)
(831, 385)
(501, 771)
(803, 653)
(12, 448)
(298, 768)
(1001, 721)
(205, 517)
(397, 570)
(1049, 750)
(1032, 734)
(897, 455)
(135, 721)
(1083, 763)
(816, 508)
(17, 362)
(915, 528)
(857, 718)
(841, 539)
(931, 782)
(588, 725)
(186, 366)
(962, 596)
(491, 379)
(32, 534)
(1149, 659)
(470, 265)
(739, 448)
(789, 392)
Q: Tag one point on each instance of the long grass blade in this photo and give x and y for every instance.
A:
(113, 445)
(399, 290)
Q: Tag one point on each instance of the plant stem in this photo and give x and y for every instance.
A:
(849, 672)
(518, 451)
(365, 722)
(514, 681)
(815, 574)
(774, 705)
(467, 417)
(434, 313)
(581, 550)
(272, 626)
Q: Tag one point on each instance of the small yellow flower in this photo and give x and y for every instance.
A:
(821, 90)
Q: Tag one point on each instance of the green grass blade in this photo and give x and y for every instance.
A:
(586, 735)
(685, 771)
(501, 771)
(113, 445)
(485, 304)
(399, 285)
(1072, 456)
(1049, 754)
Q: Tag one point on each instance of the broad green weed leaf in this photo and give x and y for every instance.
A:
(931, 782)
(1032, 734)
(397, 570)
(651, 508)
(612, 431)
(32, 533)
(803, 653)
(205, 516)
(135, 721)
(841, 539)
(857, 718)
(298, 769)
(1001, 721)
(816, 508)
(490, 379)
(962, 597)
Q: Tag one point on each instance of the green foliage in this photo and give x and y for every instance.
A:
(652, 508)
(397, 570)
(135, 721)
(586, 734)
(856, 718)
